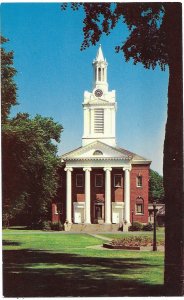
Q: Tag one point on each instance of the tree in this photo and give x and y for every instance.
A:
(29, 156)
(155, 39)
(9, 88)
(156, 189)
(29, 167)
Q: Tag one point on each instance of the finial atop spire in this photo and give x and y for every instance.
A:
(99, 56)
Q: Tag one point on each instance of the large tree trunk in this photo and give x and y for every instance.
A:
(173, 160)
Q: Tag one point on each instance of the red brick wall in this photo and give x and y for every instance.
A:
(117, 193)
(142, 192)
(97, 193)
(55, 216)
(78, 193)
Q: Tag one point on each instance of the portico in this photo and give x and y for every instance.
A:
(92, 209)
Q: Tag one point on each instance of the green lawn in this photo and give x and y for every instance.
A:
(44, 264)
(160, 234)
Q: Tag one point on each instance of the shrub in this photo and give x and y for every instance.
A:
(45, 225)
(133, 241)
(57, 226)
(148, 227)
(137, 226)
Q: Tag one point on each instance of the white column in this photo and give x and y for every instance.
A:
(107, 195)
(87, 196)
(105, 74)
(69, 194)
(127, 194)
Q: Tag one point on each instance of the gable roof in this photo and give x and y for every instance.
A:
(105, 152)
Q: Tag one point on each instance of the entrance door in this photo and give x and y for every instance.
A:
(98, 212)
(115, 216)
(78, 216)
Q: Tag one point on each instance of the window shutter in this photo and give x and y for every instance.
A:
(99, 121)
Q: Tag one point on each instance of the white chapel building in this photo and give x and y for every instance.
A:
(102, 182)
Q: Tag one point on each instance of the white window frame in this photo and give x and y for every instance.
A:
(96, 180)
(115, 175)
(139, 201)
(77, 175)
(142, 210)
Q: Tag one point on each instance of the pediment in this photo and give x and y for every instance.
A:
(98, 101)
(97, 151)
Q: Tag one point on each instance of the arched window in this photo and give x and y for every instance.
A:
(99, 74)
(139, 206)
(98, 152)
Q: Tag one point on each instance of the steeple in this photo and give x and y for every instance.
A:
(99, 106)
(100, 71)
(99, 56)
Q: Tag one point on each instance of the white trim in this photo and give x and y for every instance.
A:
(139, 213)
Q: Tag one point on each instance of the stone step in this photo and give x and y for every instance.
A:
(94, 227)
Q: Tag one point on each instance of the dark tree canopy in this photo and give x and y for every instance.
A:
(9, 88)
(146, 42)
(29, 156)
(29, 167)
(156, 189)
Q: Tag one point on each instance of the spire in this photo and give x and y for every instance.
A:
(99, 56)
(100, 71)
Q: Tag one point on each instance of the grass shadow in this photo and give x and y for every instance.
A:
(17, 228)
(30, 273)
(10, 243)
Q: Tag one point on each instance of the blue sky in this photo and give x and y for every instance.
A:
(53, 74)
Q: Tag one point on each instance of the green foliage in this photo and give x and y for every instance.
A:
(56, 226)
(146, 22)
(148, 227)
(29, 160)
(45, 225)
(29, 165)
(156, 189)
(137, 226)
(9, 88)
(141, 241)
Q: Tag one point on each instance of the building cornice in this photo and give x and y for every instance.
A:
(98, 103)
(94, 158)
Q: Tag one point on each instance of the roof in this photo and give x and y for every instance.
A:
(105, 152)
(99, 56)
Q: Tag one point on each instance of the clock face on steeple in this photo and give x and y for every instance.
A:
(98, 93)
